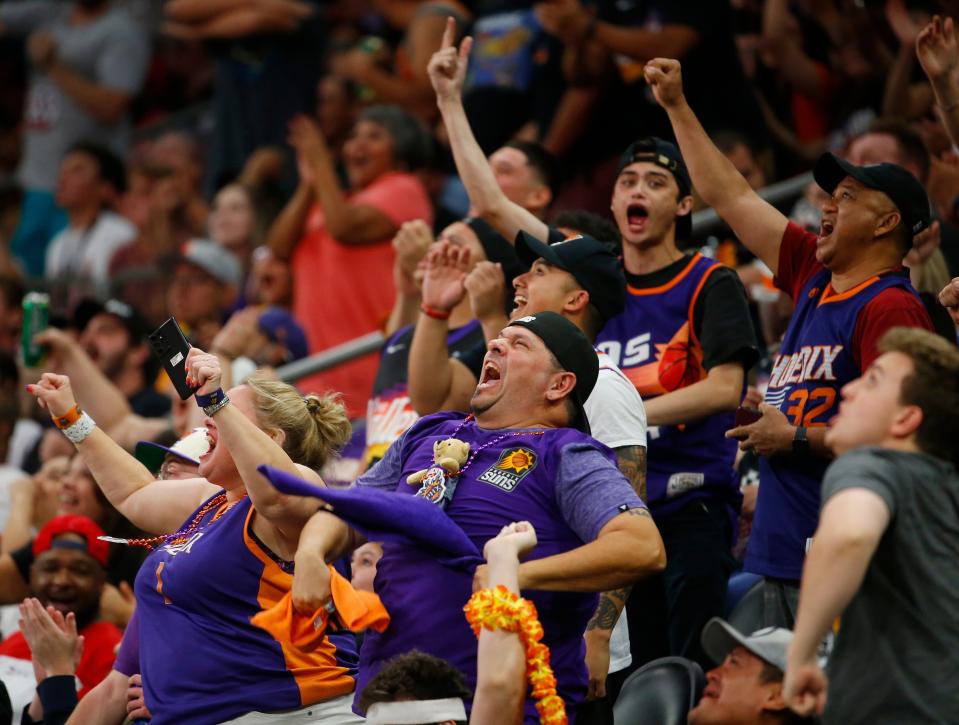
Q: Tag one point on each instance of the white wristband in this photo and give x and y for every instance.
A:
(78, 432)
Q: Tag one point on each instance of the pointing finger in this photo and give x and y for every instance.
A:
(449, 32)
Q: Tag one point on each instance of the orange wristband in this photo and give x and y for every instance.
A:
(68, 418)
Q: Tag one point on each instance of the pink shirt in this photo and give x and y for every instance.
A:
(342, 291)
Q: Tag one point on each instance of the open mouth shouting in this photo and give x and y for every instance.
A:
(637, 218)
(489, 377)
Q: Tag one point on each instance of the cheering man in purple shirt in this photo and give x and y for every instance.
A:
(530, 457)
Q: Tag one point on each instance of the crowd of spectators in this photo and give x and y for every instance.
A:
(678, 417)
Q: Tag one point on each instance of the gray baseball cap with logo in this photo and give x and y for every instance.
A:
(719, 638)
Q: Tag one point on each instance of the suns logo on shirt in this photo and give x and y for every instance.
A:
(513, 466)
(183, 547)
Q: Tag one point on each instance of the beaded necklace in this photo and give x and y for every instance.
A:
(183, 535)
(493, 442)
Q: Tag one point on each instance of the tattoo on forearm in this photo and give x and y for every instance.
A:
(610, 606)
(632, 464)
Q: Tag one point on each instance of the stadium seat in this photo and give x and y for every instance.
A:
(747, 615)
(661, 692)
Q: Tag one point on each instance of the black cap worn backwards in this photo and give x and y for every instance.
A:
(574, 353)
(592, 264)
(894, 181)
(665, 154)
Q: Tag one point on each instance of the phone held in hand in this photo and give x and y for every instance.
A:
(171, 347)
(747, 416)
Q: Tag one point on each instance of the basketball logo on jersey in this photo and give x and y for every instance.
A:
(513, 466)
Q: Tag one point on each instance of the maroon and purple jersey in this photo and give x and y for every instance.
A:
(201, 659)
(654, 343)
(562, 481)
(816, 359)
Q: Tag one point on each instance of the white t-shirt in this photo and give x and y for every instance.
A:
(617, 418)
(87, 253)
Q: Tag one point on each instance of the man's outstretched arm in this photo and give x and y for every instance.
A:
(758, 224)
(447, 70)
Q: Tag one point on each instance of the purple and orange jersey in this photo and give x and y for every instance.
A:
(654, 342)
(201, 658)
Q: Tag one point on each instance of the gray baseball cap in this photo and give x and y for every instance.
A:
(214, 259)
(719, 638)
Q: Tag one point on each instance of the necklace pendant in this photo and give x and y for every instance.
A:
(438, 486)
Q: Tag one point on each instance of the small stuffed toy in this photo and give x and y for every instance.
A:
(449, 455)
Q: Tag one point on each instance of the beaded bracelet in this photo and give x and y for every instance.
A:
(500, 608)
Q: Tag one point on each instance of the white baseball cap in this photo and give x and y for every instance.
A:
(189, 448)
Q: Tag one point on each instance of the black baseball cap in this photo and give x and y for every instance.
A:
(573, 352)
(90, 307)
(665, 154)
(592, 264)
(892, 180)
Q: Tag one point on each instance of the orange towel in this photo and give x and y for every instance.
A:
(356, 610)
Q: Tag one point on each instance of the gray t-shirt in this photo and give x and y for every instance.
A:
(897, 652)
(112, 51)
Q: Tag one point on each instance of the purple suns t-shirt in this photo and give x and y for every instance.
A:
(560, 480)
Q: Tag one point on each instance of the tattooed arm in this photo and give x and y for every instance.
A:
(598, 632)
(632, 464)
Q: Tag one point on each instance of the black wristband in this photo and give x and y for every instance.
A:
(800, 442)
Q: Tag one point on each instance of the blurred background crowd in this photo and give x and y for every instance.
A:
(272, 173)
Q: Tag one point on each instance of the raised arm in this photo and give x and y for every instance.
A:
(850, 527)
(251, 446)
(757, 224)
(100, 397)
(287, 229)
(436, 381)
(501, 661)
(159, 507)
(411, 244)
(447, 70)
(939, 56)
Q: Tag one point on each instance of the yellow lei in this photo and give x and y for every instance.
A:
(500, 608)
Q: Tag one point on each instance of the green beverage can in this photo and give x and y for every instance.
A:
(36, 318)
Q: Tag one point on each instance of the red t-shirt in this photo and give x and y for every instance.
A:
(893, 307)
(342, 291)
(99, 641)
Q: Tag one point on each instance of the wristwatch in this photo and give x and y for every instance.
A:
(800, 442)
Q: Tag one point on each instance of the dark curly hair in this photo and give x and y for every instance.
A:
(414, 675)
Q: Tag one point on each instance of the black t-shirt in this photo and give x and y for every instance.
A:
(720, 317)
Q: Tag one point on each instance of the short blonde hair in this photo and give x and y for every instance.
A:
(316, 427)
